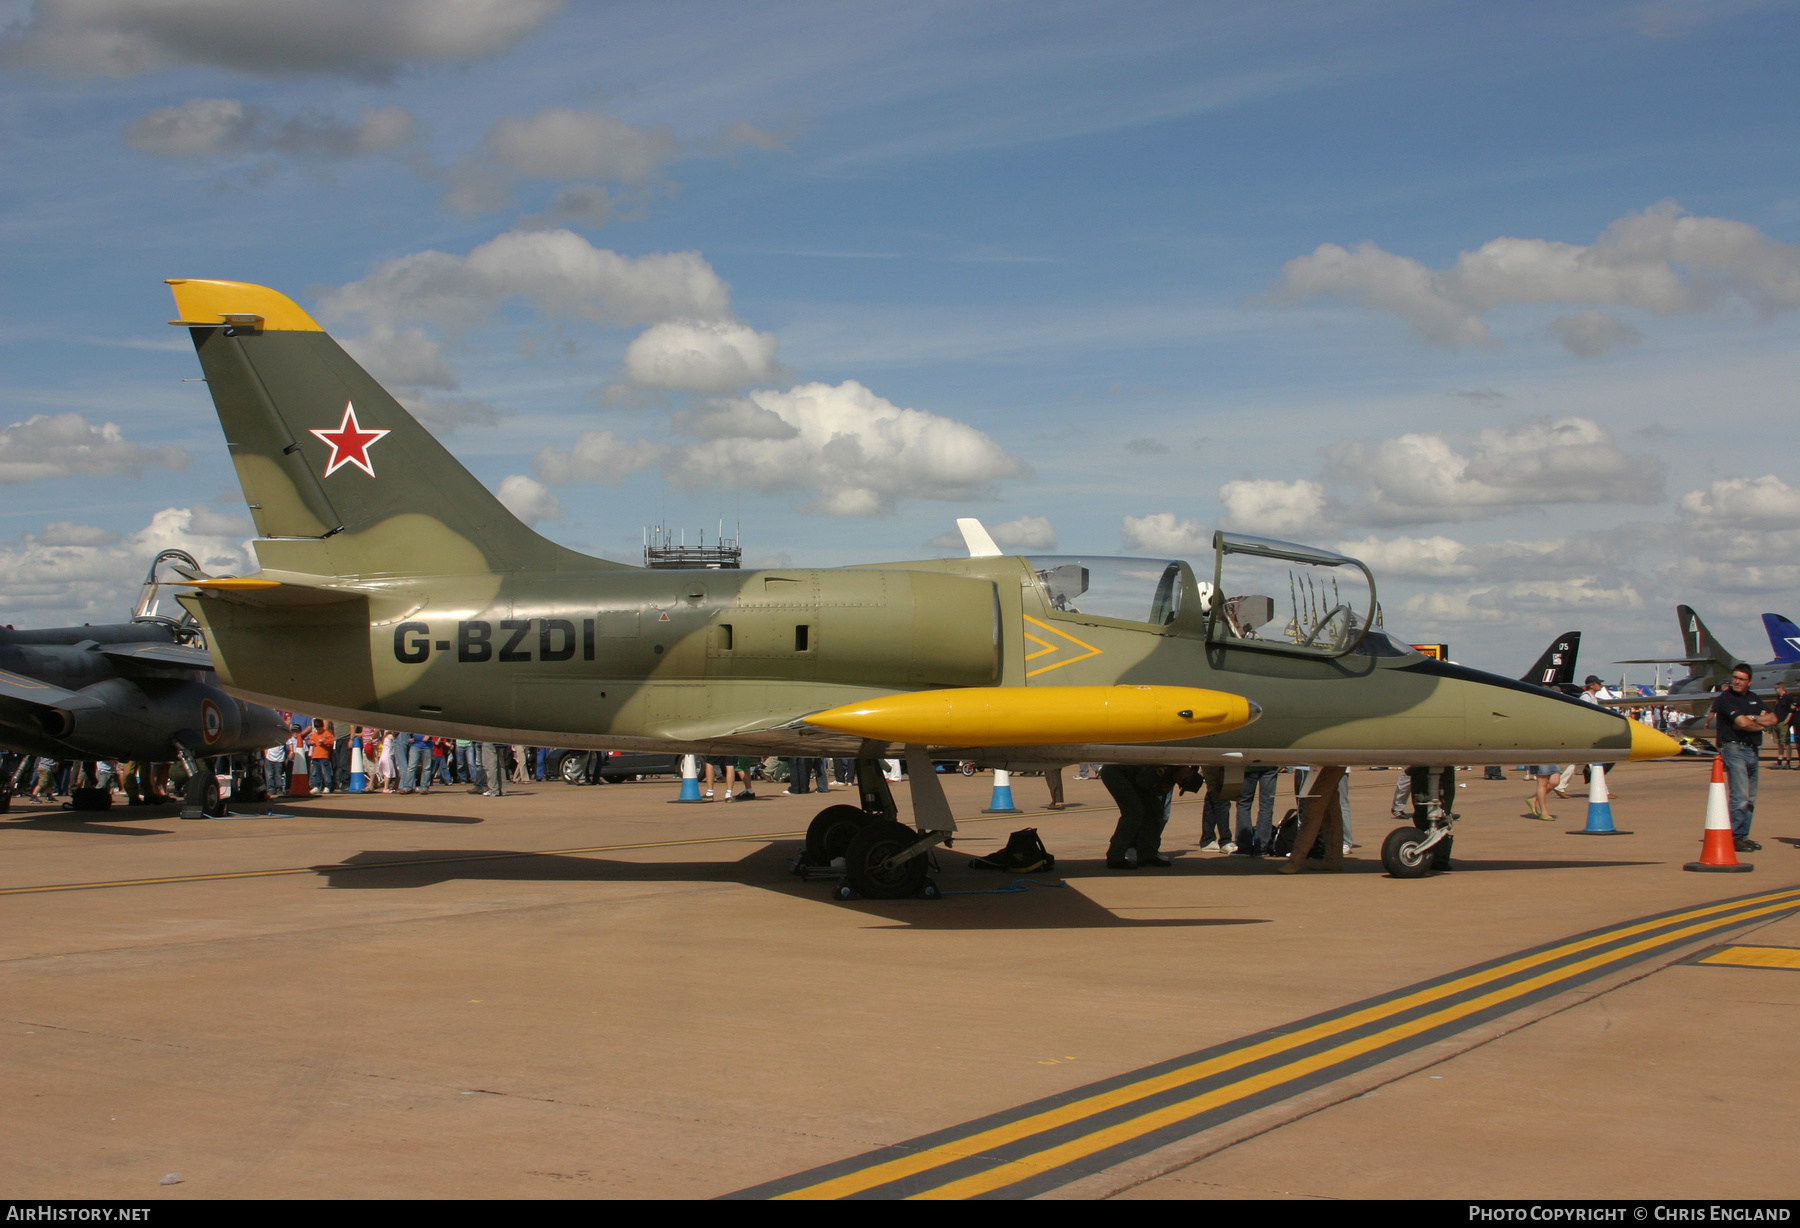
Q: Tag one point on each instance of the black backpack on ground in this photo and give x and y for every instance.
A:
(1287, 831)
(1024, 854)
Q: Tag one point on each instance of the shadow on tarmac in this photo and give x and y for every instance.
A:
(1045, 908)
(323, 812)
(77, 821)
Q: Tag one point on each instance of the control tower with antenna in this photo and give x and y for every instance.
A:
(663, 553)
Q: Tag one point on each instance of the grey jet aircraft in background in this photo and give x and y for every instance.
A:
(144, 690)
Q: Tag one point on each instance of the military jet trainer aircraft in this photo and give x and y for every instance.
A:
(1710, 665)
(141, 690)
(395, 589)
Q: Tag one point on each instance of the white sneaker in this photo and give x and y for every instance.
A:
(1211, 846)
(1229, 847)
(1347, 847)
(709, 793)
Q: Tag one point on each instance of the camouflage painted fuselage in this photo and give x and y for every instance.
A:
(396, 590)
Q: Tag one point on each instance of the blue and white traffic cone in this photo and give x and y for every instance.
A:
(1002, 802)
(359, 771)
(690, 780)
(1599, 816)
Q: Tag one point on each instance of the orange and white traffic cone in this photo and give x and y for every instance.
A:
(1719, 853)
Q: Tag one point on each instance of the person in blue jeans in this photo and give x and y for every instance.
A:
(1259, 786)
(416, 778)
(1741, 717)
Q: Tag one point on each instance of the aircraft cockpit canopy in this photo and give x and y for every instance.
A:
(156, 602)
(1284, 597)
(1135, 590)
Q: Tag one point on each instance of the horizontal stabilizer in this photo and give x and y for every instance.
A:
(161, 654)
(21, 689)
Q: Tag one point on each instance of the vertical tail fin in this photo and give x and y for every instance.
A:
(1556, 668)
(1699, 644)
(1784, 638)
(332, 462)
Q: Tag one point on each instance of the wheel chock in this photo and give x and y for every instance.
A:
(930, 892)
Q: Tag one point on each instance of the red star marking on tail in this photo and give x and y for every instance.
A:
(350, 443)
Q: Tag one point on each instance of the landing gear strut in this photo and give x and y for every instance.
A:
(879, 857)
(201, 800)
(1413, 852)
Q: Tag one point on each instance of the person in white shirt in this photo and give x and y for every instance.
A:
(1593, 692)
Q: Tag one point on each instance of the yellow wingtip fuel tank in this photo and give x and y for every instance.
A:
(1041, 715)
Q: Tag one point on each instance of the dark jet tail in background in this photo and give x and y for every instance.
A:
(1556, 668)
(1702, 653)
(332, 463)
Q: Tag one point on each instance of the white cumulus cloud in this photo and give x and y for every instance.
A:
(1662, 260)
(79, 573)
(1410, 556)
(225, 127)
(367, 39)
(1025, 533)
(1764, 503)
(528, 499)
(595, 456)
(1163, 533)
(855, 453)
(701, 356)
(1426, 476)
(60, 445)
(558, 272)
(1270, 505)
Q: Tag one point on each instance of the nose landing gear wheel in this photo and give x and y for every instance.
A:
(828, 836)
(879, 840)
(1401, 855)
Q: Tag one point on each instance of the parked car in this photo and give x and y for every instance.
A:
(617, 767)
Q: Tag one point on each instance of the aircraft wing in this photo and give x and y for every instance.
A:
(160, 654)
(1666, 661)
(20, 689)
(1681, 703)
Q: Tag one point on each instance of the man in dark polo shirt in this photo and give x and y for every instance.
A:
(1741, 718)
(1784, 726)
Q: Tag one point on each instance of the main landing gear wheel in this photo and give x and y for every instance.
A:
(1401, 855)
(828, 836)
(203, 795)
(879, 840)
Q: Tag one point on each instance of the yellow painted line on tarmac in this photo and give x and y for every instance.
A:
(1100, 1140)
(1754, 957)
(973, 1146)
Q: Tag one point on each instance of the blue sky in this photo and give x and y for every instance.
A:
(1500, 297)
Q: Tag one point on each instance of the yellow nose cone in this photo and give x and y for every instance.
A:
(1647, 743)
(1041, 715)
